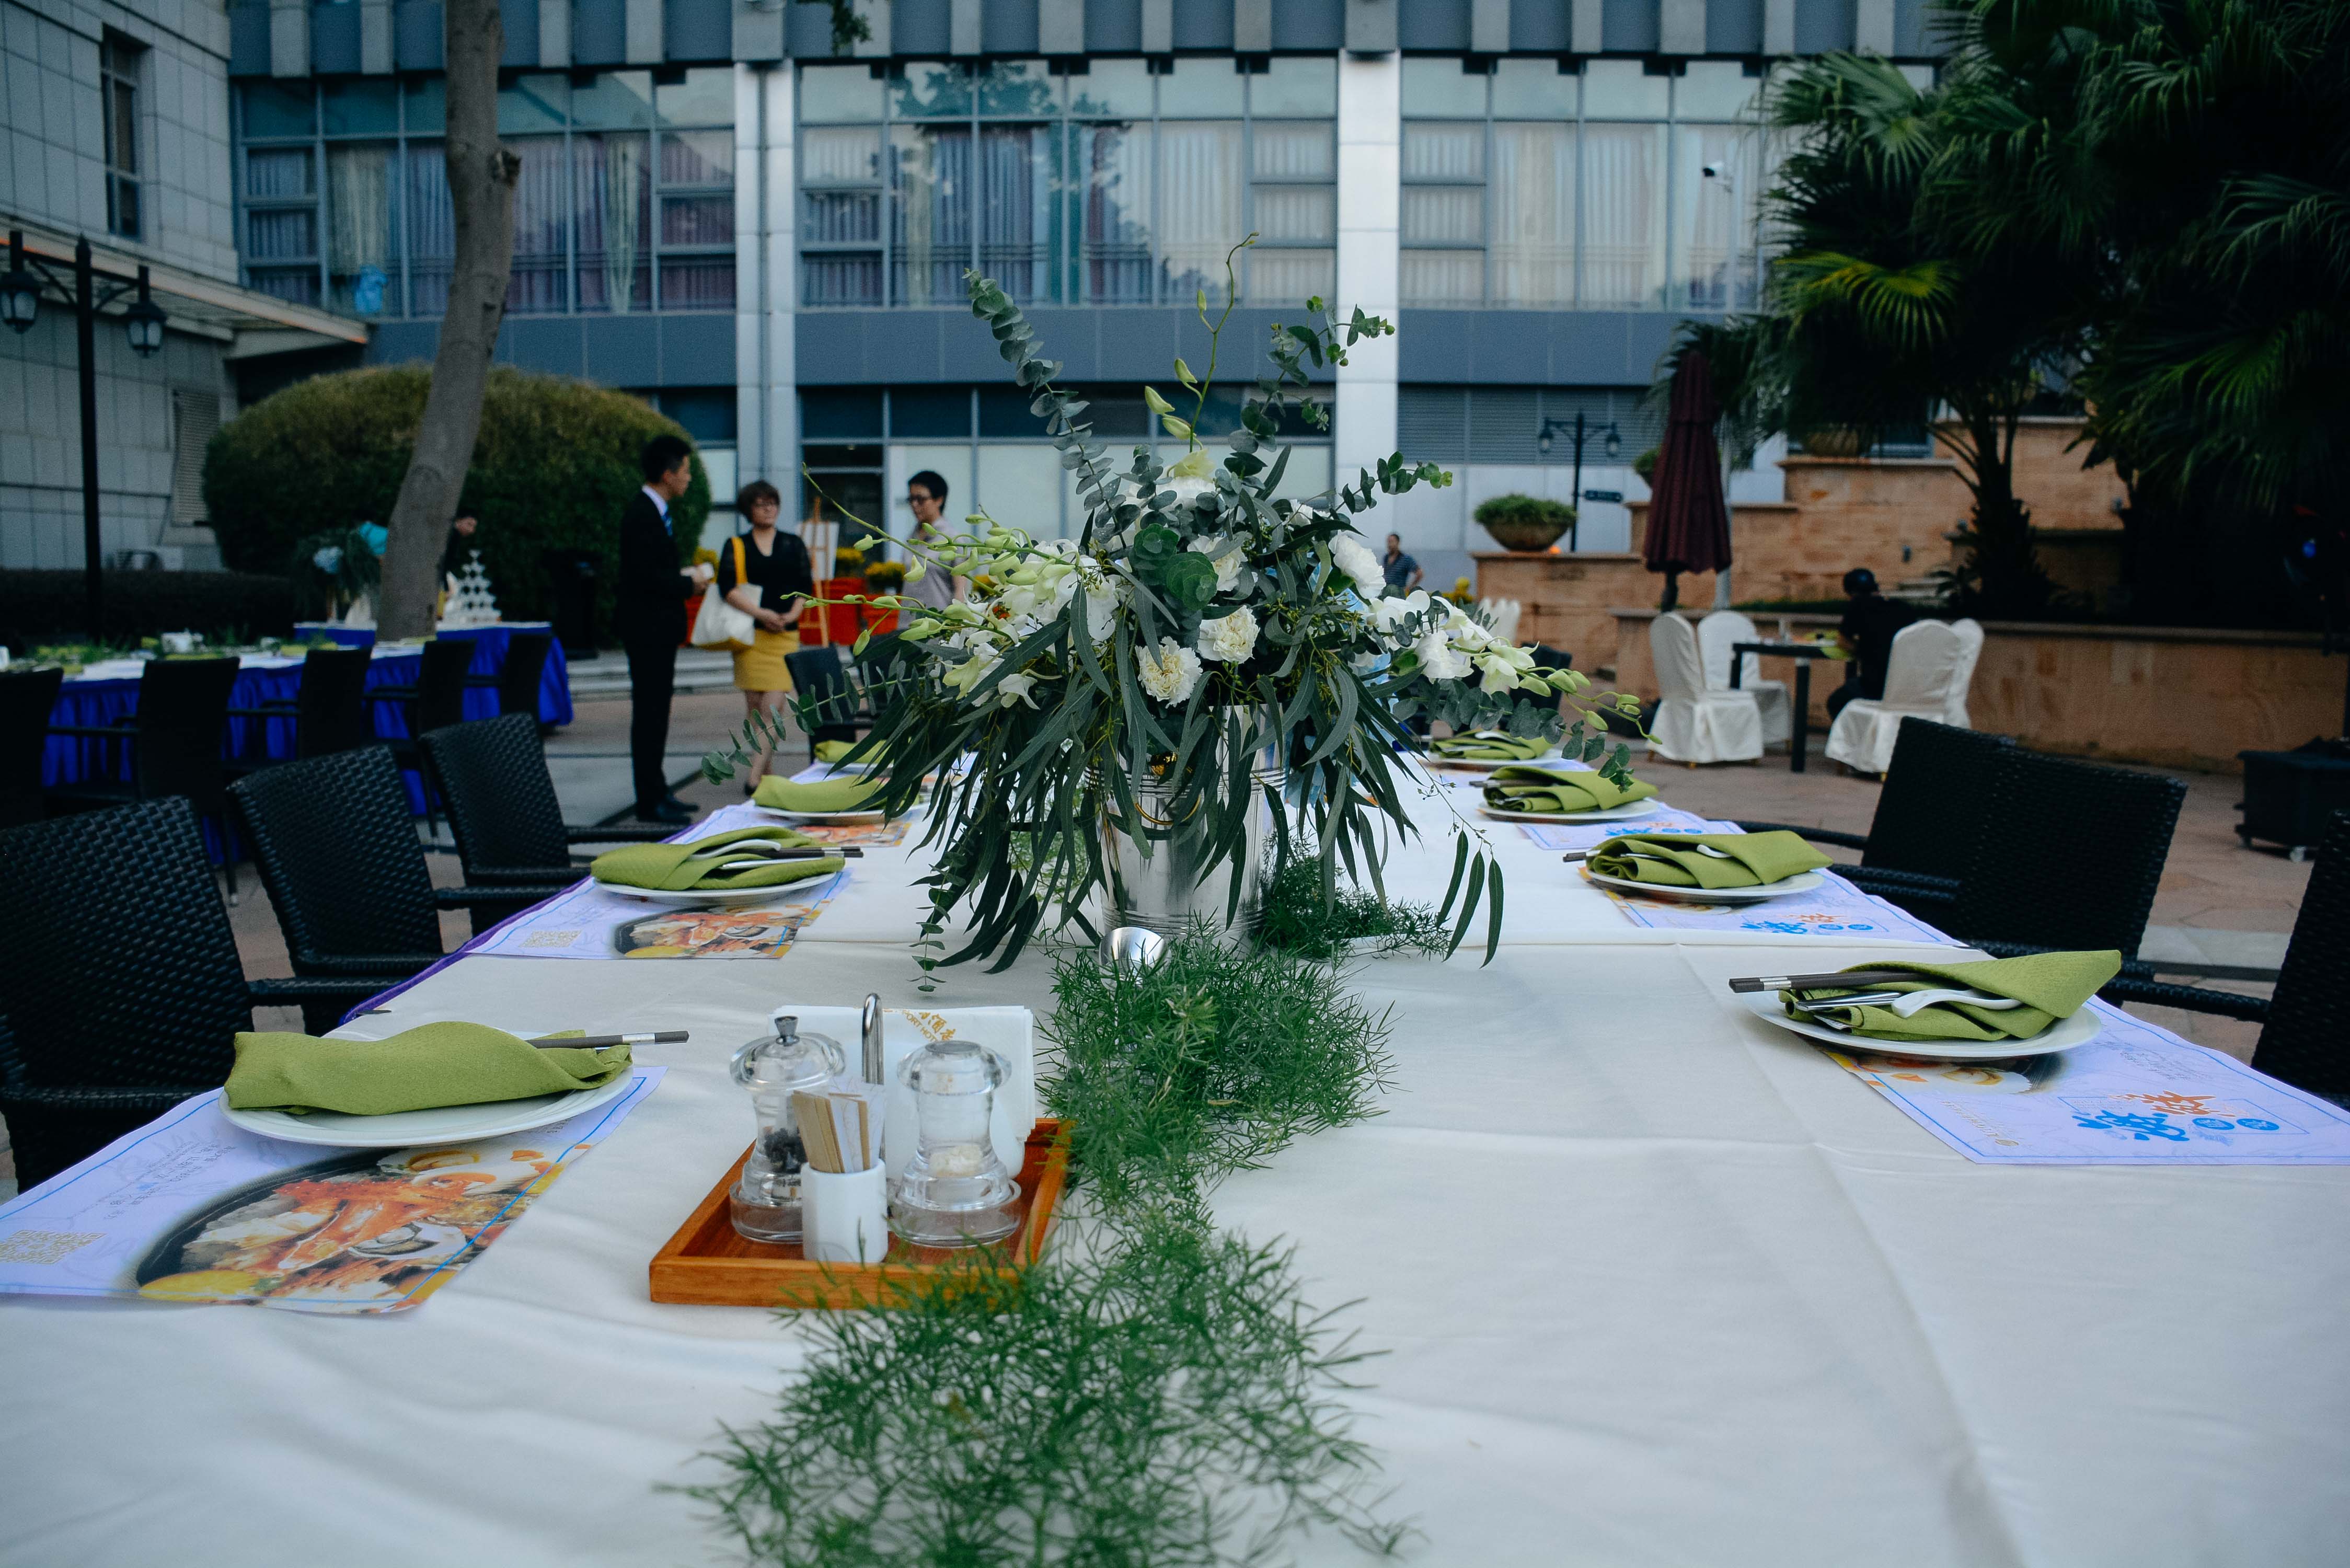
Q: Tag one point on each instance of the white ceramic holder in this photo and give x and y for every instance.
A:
(845, 1216)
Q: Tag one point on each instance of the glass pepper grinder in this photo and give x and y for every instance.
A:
(953, 1192)
(765, 1203)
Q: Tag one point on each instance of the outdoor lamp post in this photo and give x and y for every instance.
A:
(20, 307)
(1612, 445)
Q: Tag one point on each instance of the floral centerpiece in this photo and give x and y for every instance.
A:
(1209, 675)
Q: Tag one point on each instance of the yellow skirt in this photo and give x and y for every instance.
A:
(762, 669)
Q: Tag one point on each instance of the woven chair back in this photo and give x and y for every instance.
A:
(1931, 811)
(331, 709)
(2306, 1041)
(27, 699)
(181, 721)
(2067, 855)
(441, 684)
(493, 783)
(337, 850)
(117, 965)
(519, 676)
(827, 703)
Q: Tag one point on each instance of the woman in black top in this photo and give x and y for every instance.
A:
(766, 573)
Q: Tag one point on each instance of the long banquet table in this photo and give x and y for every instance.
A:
(1655, 1284)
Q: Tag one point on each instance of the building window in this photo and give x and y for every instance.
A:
(625, 202)
(1120, 183)
(119, 62)
(1529, 186)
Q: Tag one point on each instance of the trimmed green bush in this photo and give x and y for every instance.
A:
(555, 462)
(38, 606)
(1535, 509)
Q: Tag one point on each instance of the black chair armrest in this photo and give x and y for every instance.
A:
(633, 832)
(523, 879)
(393, 694)
(109, 732)
(465, 898)
(1816, 835)
(1915, 884)
(382, 969)
(2193, 998)
(481, 681)
(267, 711)
(317, 988)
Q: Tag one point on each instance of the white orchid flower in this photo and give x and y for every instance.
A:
(1014, 689)
(1439, 660)
(1391, 612)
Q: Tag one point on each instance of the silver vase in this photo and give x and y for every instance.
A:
(1168, 889)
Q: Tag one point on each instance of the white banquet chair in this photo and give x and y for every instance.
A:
(1921, 674)
(1694, 724)
(1503, 616)
(1715, 633)
(1970, 643)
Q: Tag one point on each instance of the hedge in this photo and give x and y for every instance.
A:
(555, 464)
(38, 606)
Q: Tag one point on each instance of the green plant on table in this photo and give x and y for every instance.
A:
(1298, 922)
(1200, 627)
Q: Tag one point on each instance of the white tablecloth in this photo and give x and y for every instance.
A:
(1657, 1283)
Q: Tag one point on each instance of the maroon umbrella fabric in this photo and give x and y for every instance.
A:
(1689, 529)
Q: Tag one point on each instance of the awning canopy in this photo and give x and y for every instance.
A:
(208, 306)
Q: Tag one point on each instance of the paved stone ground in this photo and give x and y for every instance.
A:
(2217, 897)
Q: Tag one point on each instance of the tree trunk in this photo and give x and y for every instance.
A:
(2008, 580)
(482, 176)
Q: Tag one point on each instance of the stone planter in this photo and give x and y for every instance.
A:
(1527, 536)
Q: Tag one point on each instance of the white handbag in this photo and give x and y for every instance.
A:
(720, 623)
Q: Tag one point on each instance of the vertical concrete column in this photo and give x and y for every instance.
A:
(765, 361)
(1370, 256)
(1253, 27)
(1585, 21)
(1158, 27)
(1680, 26)
(1061, 27)
(876, 13)
(1778, 26)
(964, 27)
(1370, 25)
(1489, 26)
(555, 34)
(642, 32)
(1872, 26)
(289, 38)
(375, 38)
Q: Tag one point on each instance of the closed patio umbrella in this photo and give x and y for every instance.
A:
(1689, 527)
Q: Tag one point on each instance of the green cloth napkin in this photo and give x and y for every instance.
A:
(415, 1070)
(682, 868)
(1521, 788)
(2050, 985)
(1491, 746)
(1673, 860)
(827, 794)
(833, 750)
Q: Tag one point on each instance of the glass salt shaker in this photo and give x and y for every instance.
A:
(955, 1192)
(765, 1203)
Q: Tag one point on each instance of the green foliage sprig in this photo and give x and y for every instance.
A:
(1297, 921)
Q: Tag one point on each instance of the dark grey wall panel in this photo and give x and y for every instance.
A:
(1540, 27)
(521, 19)
(880, 348)
(696, 350)
(1113, 26)
(1006, 27)
(1433, 24)
(1318, 26)
(1204, 23)
(695, 32)
(248, 40)
(1734, 26)
(397, 342)
(1913, 30)
(335, 40)
(810, 36)
(921, 27)
(1533, 348)
(1822, 25)
(416, 35)
(599, 32)
(622, 350)
(1629, 27)
(550, 344)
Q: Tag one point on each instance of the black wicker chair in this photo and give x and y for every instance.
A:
(1928, 816)
(329, 711)
(338, 851)
(2305, 1034)
(492, 782)
(120, 993)
(27, 699)
(2067, 855)
(176, 740)
(830, 705)
(438, 698)
(517, 679)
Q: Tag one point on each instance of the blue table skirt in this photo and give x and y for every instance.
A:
(70, 759)
(554, 682)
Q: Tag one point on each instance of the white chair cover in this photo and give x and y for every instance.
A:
(1715, 633)
(1970, 643)
(1921, 674)
(1694, 724)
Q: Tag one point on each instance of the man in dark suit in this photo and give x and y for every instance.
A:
(651, 604)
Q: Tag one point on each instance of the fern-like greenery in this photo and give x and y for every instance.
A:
(1298, 922)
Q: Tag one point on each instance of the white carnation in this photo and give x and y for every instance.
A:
(1229, 640)
(1355, 558)
(1228, 564)
(1170, 673)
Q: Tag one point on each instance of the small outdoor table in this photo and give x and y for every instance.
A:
(1803, 653)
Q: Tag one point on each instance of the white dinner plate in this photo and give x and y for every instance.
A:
(1432, 760)
(1624, 813)
(448, 1123)
(709, 898)
(2083, 1026)
(1802, 882)
(830, 819)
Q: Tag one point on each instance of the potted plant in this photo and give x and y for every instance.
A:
(1530, 523)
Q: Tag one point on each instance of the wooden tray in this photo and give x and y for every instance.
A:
(707, 1263)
